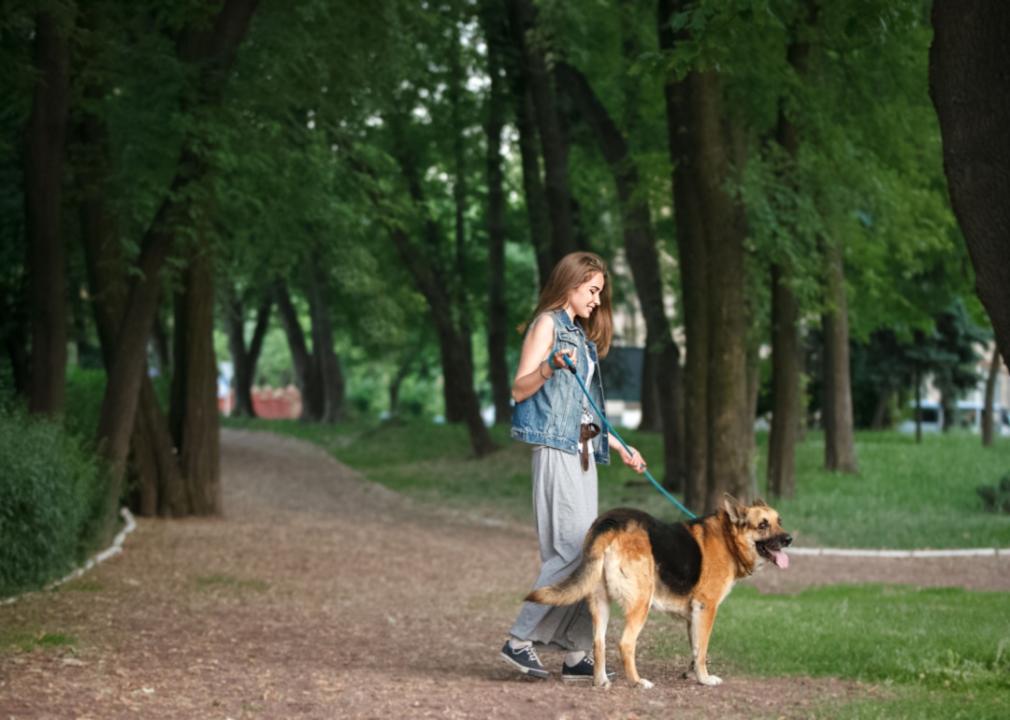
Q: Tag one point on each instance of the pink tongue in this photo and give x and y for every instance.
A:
(781, 559)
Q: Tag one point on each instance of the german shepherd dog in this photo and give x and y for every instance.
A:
(684, 568)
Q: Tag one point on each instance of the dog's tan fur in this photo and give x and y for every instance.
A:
(621, 564)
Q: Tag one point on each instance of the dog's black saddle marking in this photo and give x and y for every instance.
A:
(676, 552)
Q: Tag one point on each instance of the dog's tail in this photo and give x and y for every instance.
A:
(584, 578)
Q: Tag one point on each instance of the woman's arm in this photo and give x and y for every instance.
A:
(632, 459)
(533, 370)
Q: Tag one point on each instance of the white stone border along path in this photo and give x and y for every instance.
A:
(114, 549)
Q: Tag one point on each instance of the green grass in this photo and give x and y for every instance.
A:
(905, 495)
(934, 646)
(22, 639)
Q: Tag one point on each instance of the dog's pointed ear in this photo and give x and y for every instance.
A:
(736, 512)
(760, 503)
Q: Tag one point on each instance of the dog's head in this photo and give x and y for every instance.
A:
(758, 529)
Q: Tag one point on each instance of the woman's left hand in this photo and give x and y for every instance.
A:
(633, 459)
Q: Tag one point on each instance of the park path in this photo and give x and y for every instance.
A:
(321, 595)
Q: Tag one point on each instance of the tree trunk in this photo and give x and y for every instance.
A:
(545, 107)
(497, 313)
(692, 249)
(968, 70)
(643, 257)
(306, 371)
(153, 467)
(213, 48)
(839, 440)
(989, 410)
(45, 137)
(785, 389)
(244, 358)
(651, 420)
(194, 414)
(330, 378)
(881, 412)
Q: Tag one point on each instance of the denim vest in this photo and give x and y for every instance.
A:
(553, 414)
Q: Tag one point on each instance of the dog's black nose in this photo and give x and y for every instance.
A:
(787, 540)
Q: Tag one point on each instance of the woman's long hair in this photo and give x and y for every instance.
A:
(570, 272)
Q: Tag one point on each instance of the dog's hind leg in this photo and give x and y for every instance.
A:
(599, 610)
(635, 614)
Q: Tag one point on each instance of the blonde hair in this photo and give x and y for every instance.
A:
(570, 272)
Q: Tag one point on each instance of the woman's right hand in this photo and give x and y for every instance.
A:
(557, 360)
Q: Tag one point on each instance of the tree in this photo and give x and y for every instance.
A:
(45, 138)
(968, 68)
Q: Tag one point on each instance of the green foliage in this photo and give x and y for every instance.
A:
(49, 502)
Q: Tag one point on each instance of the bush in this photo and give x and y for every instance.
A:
(996, 498)
(50, 502)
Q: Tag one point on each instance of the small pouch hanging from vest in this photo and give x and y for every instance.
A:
(587, 431)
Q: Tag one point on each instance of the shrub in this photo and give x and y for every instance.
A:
(996, 498)
(50, 500)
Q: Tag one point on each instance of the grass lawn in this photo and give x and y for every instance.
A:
(943, 652)
(905, 495)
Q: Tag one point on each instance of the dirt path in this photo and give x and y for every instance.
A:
(319, 595)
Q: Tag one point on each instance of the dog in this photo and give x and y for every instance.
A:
(686, 569)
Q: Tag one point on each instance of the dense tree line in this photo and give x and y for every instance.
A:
(389, 180)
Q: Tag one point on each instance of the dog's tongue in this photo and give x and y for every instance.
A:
(781, 559)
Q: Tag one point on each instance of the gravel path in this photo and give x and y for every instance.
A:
(320, 595)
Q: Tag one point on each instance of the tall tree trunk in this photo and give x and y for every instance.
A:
(968, 71)
(45, 137)
(331, 379)
(839, 440)
(497, 312)
(643, 257)
(786, 350)
(786, 410)
(153, 465)
(212, 48)
(525, 117)
(693, 250)
(194, 414)
(244, 358)
(988, 409)
(522, 15)
(306, 371)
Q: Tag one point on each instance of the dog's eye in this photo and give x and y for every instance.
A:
(763, 525)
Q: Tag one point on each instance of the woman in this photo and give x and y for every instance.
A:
(573, 320)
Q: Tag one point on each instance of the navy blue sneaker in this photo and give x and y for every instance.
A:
(583, 670)
(524, 660)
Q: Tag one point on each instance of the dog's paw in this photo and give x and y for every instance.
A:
(710, 680)
(644, 684)
(603, 684)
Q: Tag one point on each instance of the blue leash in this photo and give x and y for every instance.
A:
(610, 429)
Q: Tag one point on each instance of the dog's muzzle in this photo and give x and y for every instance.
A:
(587, 431)
(771, 549)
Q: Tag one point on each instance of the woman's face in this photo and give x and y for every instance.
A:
(585, 298)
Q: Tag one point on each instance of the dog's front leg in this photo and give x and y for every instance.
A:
(700, 627)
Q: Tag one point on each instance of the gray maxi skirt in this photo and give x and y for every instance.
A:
(564, 506)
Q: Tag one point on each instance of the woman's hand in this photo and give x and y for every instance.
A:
(632, 459)
(557, 360)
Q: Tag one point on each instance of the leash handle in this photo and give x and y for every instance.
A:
(610, 428)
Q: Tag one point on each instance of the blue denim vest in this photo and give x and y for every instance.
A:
(553, 414)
